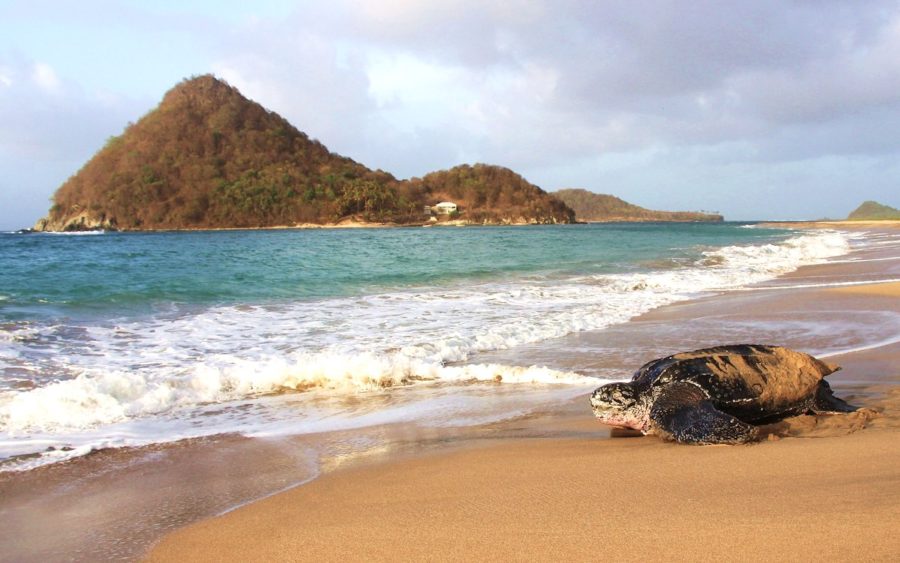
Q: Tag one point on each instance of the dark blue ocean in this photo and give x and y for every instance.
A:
(116, 339)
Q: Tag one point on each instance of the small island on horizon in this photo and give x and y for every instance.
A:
(209, 158)
(874, 211)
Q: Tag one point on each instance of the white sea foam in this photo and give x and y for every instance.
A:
(74, 233)
(86, 402)
(160, 379)
(869, 346)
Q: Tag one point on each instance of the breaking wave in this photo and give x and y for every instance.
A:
(177, 364)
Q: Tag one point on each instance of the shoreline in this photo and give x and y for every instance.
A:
(354, 224)
(115, 503)
(586, 499)
(550, 497)
(833, 224)
(342, 224)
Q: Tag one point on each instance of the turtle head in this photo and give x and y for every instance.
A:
(619, 404)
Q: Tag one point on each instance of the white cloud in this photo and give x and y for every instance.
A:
(542, 87)
(401, 79)
(45, 77)
(49, 127)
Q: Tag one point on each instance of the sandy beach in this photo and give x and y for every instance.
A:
(821, 488)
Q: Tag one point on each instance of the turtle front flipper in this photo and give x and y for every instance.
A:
(682, 412)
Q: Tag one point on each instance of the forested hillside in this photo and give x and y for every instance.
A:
(207, 157)
(492, 194)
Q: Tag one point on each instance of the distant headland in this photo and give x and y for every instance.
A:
(591, 207)
(207, 158)
(874, 211)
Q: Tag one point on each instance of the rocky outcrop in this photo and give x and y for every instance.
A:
(82, 221)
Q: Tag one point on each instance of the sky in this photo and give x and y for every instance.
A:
(758, 110)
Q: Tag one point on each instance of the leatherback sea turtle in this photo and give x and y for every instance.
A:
(717, 395)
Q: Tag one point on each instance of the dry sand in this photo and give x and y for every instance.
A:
(614, 500)
(880, 289)
(831, 494)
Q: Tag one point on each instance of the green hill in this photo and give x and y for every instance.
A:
(207, 157)
(492, 195)
(873, 211)
(600, 208)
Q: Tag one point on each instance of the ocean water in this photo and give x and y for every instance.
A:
(128, 339)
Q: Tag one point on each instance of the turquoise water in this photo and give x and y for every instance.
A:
(130, 273)
(121, 339)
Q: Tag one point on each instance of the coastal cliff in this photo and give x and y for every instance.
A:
(601, 208)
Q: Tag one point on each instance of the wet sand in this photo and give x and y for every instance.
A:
(617, 500)
(824, 487)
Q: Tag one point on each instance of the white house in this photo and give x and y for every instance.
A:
(445, 208)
